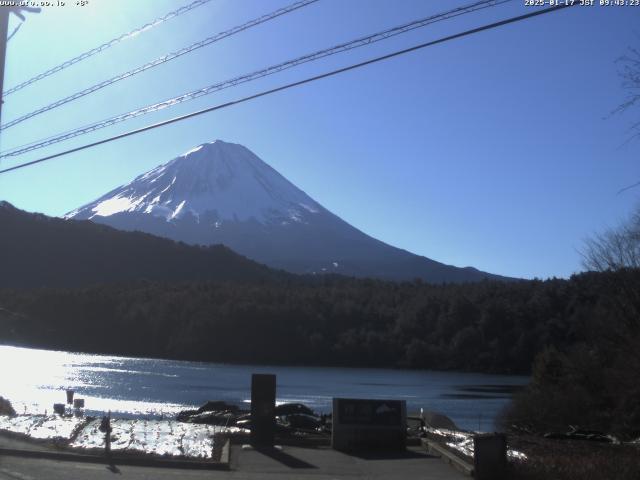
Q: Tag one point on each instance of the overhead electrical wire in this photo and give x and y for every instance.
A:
(15, 30)
(295, 84)
(359, 42)
(159, 61)
(106, 45)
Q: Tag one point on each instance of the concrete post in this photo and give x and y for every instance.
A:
(490, 456)
(263, 409)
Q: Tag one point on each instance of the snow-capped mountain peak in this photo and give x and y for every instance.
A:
(223, 179)
(221, 193)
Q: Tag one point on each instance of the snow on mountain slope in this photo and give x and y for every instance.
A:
(219, 177)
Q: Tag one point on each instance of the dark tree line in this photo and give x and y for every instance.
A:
(486, 326)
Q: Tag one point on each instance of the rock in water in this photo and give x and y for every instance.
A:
(439, 420)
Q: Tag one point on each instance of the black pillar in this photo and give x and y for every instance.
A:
(490, 456)
(263, 409)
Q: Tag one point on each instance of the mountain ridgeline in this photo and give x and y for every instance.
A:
(222, 193)
(41, 251)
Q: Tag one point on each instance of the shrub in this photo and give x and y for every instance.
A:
(6, 408)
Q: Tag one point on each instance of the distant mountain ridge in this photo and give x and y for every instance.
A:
(41, 251)
(222, 193)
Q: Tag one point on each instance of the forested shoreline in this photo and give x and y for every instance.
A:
(483, 327)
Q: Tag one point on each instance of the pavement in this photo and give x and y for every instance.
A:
(321, 463)
(12, 442)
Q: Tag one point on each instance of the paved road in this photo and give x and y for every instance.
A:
(290, 462)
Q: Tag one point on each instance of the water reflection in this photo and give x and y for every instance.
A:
(35, 379)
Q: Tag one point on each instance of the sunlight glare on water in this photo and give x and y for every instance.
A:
(36, 379)
(33, 380)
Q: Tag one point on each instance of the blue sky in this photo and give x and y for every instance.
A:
(496, 150)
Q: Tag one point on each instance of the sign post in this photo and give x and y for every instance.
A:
(360, 424)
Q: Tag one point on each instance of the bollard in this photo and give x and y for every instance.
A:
(490, 456)
(70, 394)
(58, 408)
(78, 403)
(105, 427)
(263, 409)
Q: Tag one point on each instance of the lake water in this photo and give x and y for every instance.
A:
(33, 380)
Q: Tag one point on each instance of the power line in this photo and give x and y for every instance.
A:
(359, 42)
(159, 61)
(106, 45)
(295, 84)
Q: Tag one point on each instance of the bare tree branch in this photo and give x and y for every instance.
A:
(629, 73)
(616, 248)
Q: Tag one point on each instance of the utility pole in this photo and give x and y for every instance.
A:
(4, 31)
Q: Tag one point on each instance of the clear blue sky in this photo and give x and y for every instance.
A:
(492, 151)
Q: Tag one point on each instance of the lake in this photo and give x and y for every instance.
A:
(33, 380)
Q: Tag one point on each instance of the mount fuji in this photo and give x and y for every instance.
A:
(222, 193)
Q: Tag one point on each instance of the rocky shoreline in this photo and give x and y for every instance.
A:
(290, 418)
(193, 434)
